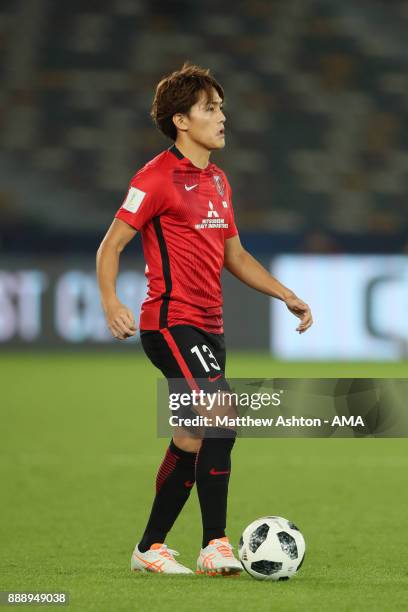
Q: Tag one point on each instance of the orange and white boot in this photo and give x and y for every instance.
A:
(217, 558)
(158, 559)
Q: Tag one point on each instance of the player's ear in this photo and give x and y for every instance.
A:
(180, 121)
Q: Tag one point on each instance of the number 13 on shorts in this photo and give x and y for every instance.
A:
(206, 357)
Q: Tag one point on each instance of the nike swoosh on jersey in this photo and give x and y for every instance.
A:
(190, 187)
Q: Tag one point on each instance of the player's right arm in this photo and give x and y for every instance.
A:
(119, 317)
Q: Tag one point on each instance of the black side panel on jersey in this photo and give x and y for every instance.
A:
(164, 308)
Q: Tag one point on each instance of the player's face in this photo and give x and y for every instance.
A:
(205, 122)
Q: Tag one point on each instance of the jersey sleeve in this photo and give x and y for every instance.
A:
(232, 230)
(144, 200)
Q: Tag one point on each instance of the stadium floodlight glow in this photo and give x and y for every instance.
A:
(352, 298)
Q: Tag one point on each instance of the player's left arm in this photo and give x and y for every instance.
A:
(248, 270)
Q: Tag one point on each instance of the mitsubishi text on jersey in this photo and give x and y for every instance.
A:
(184, 215)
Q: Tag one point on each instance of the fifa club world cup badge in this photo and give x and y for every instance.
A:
(219, 184)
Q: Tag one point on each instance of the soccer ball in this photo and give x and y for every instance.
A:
(272, 548)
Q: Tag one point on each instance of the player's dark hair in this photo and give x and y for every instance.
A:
(177, 92)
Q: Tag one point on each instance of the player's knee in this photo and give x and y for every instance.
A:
(220, 436)
(224, 412)
(190, 445)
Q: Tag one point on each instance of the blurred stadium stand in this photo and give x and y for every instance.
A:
(317, 99)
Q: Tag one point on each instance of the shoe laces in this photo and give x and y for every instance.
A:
(224, 548)
(167, 552)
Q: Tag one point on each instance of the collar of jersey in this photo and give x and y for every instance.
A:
(173, 149)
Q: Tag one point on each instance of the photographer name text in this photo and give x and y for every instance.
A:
(280, 421)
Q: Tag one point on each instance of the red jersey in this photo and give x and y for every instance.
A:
(184, 215)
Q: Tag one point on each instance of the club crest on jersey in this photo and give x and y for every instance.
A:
(219, 183)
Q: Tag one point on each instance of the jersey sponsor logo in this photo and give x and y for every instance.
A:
(213, 220)
(211, 211)
(133, 199)
(190, 187)
(219, 183)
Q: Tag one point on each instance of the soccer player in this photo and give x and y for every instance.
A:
(181, 203)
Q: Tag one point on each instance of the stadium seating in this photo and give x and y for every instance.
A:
(316, 107)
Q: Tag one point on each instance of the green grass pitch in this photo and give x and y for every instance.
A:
(79, 455)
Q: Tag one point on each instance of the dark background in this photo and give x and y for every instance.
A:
(316, 104)
(317, 156)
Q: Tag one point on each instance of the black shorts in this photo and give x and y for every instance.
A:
(189, 353)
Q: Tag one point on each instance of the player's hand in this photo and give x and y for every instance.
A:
(300, 310)
(121, 321)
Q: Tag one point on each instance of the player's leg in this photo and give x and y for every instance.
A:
(213, 470)
(174, 480)
(204, 356)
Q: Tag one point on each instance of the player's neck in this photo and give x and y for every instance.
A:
(195, 153)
